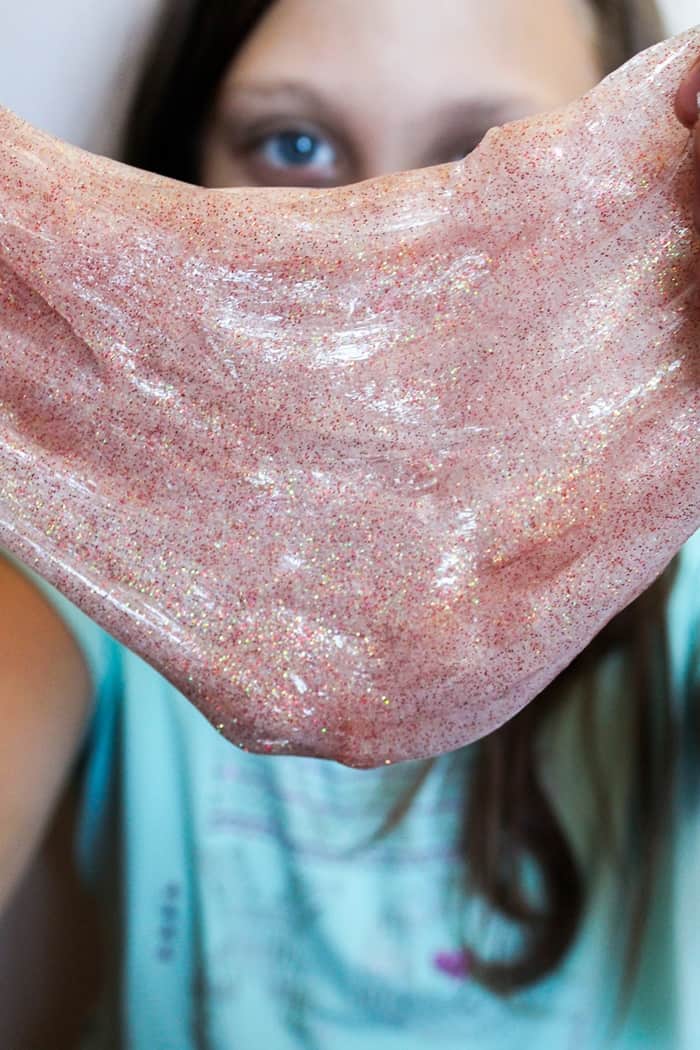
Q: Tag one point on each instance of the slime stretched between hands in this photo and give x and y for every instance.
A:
(360, 470)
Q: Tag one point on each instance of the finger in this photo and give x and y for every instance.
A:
(686, 101)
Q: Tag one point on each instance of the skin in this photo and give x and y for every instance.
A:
(687, 113)
(292, 109)
(395, 92)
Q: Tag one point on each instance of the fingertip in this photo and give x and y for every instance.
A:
(686, 102)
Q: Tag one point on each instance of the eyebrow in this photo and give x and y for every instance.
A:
(484, 112)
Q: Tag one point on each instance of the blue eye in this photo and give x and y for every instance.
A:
(295, 149)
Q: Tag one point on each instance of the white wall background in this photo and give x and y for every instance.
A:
(68, 65)
(680, 14)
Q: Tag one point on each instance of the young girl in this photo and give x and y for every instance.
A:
(538, 886)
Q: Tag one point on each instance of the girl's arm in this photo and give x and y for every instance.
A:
(49, 951)
(45, 699)
(51, 957)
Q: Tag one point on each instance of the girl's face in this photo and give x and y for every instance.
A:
(328, 92)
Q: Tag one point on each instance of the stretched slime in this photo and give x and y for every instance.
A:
(359, 470)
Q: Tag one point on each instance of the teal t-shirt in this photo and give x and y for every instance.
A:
(246, 913)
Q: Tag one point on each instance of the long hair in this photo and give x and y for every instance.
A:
(508, 814)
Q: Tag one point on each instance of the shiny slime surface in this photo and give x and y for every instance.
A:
(359, 470)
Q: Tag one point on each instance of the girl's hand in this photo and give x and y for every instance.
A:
(687, 112)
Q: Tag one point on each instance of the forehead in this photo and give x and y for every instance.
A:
(412, 53)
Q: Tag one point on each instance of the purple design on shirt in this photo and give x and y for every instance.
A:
(454, 964)
(168, 926)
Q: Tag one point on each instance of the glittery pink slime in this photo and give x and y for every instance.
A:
(361, 470)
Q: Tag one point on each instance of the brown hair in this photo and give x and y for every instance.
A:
(508, 814)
